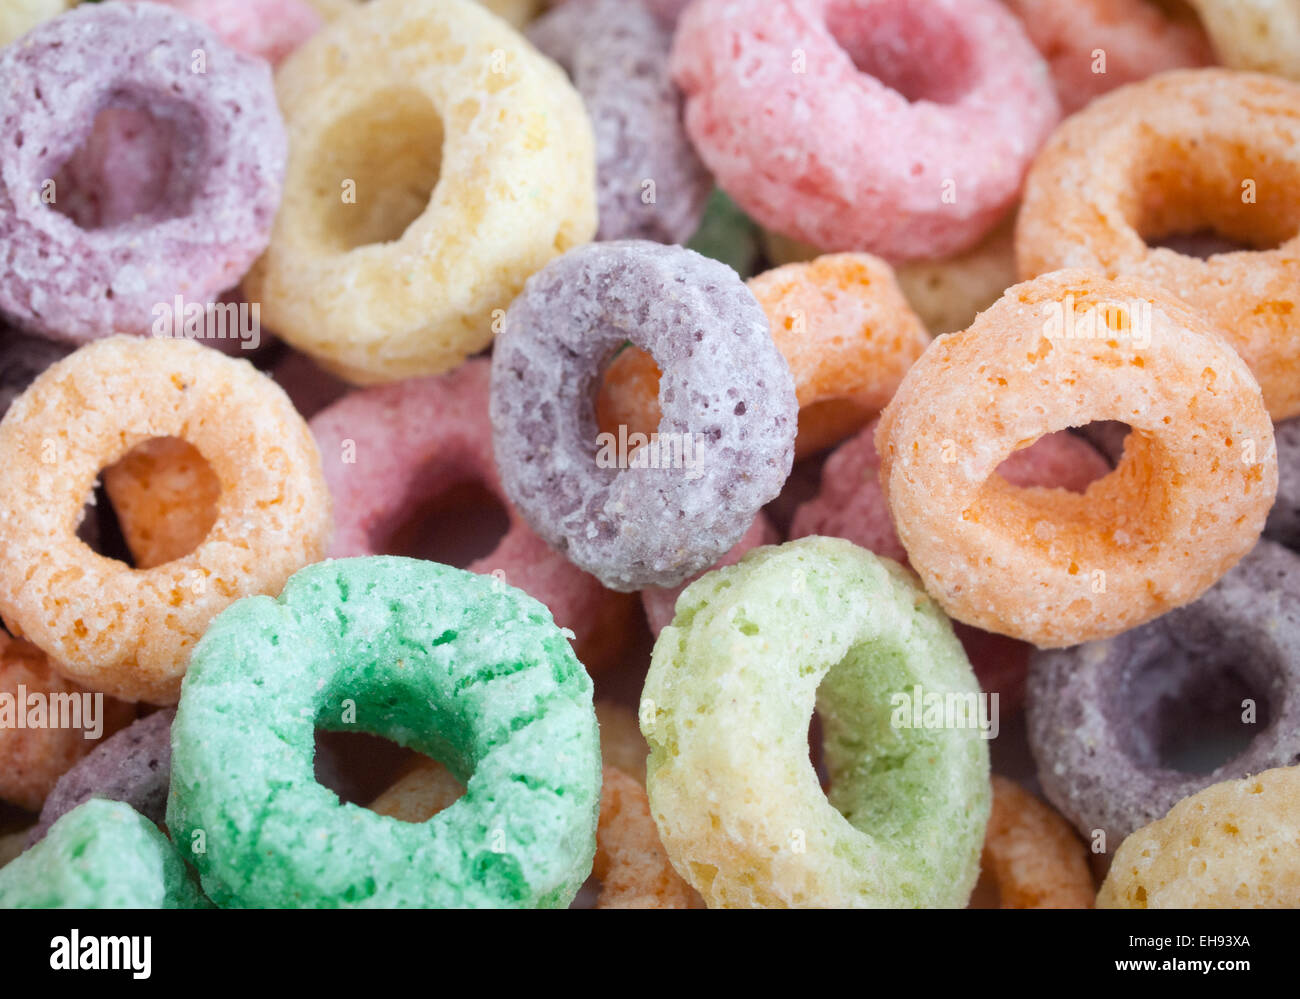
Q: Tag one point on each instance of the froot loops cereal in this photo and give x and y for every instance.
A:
(1032, 855)
(1262, 35)
(436, 160)
(1188, 499)
(1230, 846)
(842, 326)
(901, 129)
(1101, 713)
(1117, 176)
(126, 632)
(724, 443)
(213, 216)
(435, 658)
(754, 648)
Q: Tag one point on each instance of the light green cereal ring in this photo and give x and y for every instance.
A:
(458, 666)
(731, 689)
(100, 855)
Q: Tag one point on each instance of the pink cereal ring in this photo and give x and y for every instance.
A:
(899, 127)
(389, 450)
(270, 29)
(852, 505)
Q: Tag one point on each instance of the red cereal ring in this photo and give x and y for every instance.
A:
(902, 129)
(390, 450)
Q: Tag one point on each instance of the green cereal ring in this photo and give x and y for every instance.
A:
(731, 689)
(100, 855)
(455, 665)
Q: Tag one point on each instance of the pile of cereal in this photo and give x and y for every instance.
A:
(684, 436)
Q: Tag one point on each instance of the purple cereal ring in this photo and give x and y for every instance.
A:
(649, 182)
(655, 515)
(388, 450)
(133, 765)
(212, 216)
(901, 128)
(1106, 717)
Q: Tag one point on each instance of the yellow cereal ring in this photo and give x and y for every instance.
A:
(1231, 846)
(33, 758)
(1263, 35)
(1033, 855)
(129, 632)
(17, 17)
(1049, 566)
(517, 12)
(367, 271)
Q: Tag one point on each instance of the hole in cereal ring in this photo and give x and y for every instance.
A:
(911, 48)
(139, 164)
(358, 766)
(1059, 460)
(459, 525)
(1189, 713)
(376, 168)
(1217, 198)
(164, 495)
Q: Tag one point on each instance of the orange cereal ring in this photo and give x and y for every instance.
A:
(631, 862)
(165, 496)
(1188, 499)
(125, 631)
(1182, 152)
(34, 756)
(1033, 855)
(842, 325)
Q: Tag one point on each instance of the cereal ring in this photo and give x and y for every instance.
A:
(17, 17)
(649, 182)
(842, 326)
(103, 855)
(443, 661)
(904, 129)
(212, 218)
(22, 358)
(133, 766)
(727, 432)
(116, 629)
(1032, 854)
(1119, 173)
(397, 100)
(1262, 35)
(946, 294)
(1283, 523)
(660, 602)
(1230, 846)
(35, 753)
(631, 862)
(1100, 714)
(1187, 501)
(388, 450)
(727, 234)
(732, 685)
(1094, 47)
(851, 505)
(269, 30)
